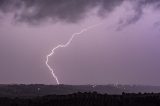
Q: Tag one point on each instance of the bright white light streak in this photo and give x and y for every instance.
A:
(63, 46)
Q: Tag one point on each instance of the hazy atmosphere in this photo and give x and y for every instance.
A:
(123, 48)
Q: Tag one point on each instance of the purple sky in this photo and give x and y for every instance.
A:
(124, 49)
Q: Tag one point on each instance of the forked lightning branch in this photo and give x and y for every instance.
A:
(63, 46)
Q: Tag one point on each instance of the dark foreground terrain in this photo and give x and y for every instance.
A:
(35, 90)
(85, 99)
(78, 95)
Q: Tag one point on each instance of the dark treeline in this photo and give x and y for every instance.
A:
(34, 90)
(86, 99)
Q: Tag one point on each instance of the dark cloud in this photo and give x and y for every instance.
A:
(36, 11)
(63, 10)
(137, 6)
(9, 5)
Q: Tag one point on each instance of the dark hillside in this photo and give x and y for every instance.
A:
(42, 90)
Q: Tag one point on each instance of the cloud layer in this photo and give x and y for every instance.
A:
(36, 11)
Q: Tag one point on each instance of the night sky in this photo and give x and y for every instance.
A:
(124, 48)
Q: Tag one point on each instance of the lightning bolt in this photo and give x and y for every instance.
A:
(63, 46)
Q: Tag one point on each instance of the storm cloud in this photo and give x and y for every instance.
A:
(35, 11)
(137, 8)
(29, 29)
(73, 11)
